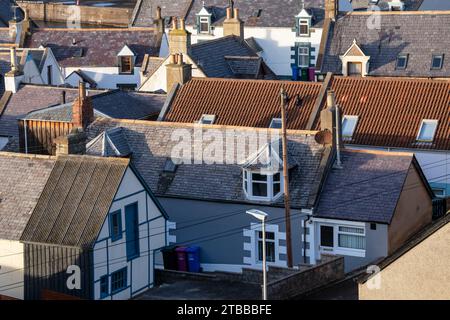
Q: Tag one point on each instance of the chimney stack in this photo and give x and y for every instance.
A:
(159, 21)
(82, 109)
(331, 9)
(177, 71)
(73, 143)
(331, 120)
(14, 77)
(179, 38)
(233, 25)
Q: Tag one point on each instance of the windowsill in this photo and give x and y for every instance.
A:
(344, 251)
(119, 290)
(126, 73)
(133, 257)
(263, 199)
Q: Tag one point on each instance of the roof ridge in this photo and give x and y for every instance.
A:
(380, 152)
(376, 78)
(26, 155)
(96, 29)
(405, 12)
(93, 158)
(193, 125)
(309, 83)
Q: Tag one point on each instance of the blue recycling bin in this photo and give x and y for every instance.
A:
(193, 257)
(295, 72)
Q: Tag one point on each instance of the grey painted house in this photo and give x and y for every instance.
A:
(207, 199)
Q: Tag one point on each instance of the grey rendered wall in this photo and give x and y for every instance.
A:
(376, 247)
(218, 228)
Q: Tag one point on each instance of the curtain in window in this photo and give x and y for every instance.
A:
(352, 241)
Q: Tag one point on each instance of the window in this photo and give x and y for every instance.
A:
(270, 246)
(126, 86)
(116, 225)
(118, 280)
(132, 230)
(327, 236)
(207, 119)
(204, 25)
(427, 130)
(402, 62)
(276, 123)
(436, 62)
(49, 75)
(348, 126)
(303, 57)
(373, 226)
(354, 69)
(438, 192)
(103, 286)
(261, 186)
(352, 238)
(343, 239)
(303, 27)
(126, 64)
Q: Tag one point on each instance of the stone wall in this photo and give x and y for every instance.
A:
(57, 12)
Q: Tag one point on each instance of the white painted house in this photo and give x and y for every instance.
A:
(102, 239)
(113, 63)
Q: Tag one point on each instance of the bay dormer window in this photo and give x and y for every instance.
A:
(204, 21)
(262, 186)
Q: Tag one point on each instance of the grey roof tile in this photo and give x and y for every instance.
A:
(22, 179)
(152, 143)
(367, 188)
(417, 35)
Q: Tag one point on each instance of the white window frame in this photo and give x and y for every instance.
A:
(247, 185)
(203, 20)
(207, 119)
(443, 195)
(427, 121)
(258, 240)
(275, 120)
(304, 54)
(438, 56)
(303, 22)
(336, 249)
(348, 118)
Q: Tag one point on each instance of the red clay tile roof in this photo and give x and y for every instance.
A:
(248, 103)
(391, 110)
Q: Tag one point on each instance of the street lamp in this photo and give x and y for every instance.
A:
(261, 216)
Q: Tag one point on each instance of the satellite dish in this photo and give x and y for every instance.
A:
(324, 137)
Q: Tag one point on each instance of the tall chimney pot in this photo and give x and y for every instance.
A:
(174, 23)
(229, 13)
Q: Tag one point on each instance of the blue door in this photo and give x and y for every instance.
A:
(132, 230)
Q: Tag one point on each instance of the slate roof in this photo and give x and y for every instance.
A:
(7, 12)
(416, 34)
(146, 10)
(273, 13)
(225, 57)
(89, 51)
(27, 99)
(110, 143)
(152, 143)
(5, 66)
(249, 103)
(391, 110)
(367, 188)
(21, 183)
(115, 104)
(384, 4)
(75, 201)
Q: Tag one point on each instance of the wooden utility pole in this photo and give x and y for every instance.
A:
(287, 208)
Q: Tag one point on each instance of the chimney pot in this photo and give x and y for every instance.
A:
(172, 59)
(229, 13)
(158, 12)
(174, 23)
(236, 13)
(182, 24)
(331, 100)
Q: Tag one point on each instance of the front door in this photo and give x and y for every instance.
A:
(132, 230)
(326, 238)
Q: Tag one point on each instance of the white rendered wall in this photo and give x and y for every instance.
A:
(11, 271)
(108, 78)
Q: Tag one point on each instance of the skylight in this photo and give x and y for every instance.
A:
(207, 119)
(348, 126)
(275, 123)
(436, 62)
(402, 61)
(427, 130)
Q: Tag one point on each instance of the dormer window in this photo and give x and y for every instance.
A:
(126, 59)
(261, 186)
(276, 123)
(303, 27)
(402, 62)
(207, 119)
(427, 130)
(204, 21)
(348, 126)
(437, 61)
